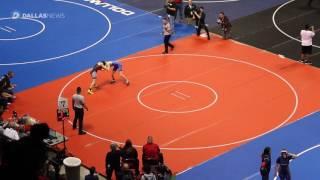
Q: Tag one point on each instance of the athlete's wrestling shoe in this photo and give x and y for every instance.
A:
(127, 83)
(90, 92)
(112, 81)
(307, 62)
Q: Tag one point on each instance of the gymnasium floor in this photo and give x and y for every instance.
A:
(212, 106)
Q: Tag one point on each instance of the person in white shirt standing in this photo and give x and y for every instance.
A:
(78, 105)
(306, 43)
(167, 35)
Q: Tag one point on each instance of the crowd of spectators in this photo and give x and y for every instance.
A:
(282, 170)
(25, 158)
(123, 162)
(15, 126)
(25, 151)
(193, 14)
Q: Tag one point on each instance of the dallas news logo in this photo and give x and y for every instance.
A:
(15, 15)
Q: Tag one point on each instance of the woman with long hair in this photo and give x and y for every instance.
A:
(265, 163)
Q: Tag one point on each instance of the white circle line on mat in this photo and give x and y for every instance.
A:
(294, 92)
(71, 53)
(24, 37)
(279, 29)
(253, 176)
(177, 112)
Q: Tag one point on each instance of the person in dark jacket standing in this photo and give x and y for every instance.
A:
(225, 24)
(202, 24)
(129, 155)
(188, 12)
(113, 162)
(179, 9)
(265, 163)
(171, 8)
(282, 168)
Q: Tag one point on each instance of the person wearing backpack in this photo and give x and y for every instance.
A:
(164, 173)
(265, 163)
(126, 173)
(148, 175)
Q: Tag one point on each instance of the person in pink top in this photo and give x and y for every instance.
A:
(167, 35)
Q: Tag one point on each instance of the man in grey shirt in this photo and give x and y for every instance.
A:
(78, 105)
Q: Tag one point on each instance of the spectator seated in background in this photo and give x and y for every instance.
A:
(25, 159)
(3, 102)
(163, 172)
(2, 108)
(126, 172)
(188, 12)
(147, 174)
(6, 87)
(92, 175)
(151, 153)
(130, 156)
(5, 99)
(19, 124)
(6, 91)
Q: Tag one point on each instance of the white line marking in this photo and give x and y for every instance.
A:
(294, 92)
(219, 155)
(215, 94)
(182, 94)
(299, 154)
(10, 28)
(189, 134)
(43, 27)
(75, 52)
(188, 169)
(177, 96)
(307, 150)
(5, 30)
(279, 29)
(91, 144)
(133, 34)
(138, 16)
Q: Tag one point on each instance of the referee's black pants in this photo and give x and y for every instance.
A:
(203, 26)
(167, 43)
(78, 115)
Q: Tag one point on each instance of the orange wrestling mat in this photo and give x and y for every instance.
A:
(202, 100)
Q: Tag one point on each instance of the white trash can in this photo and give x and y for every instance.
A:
(72, 166)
